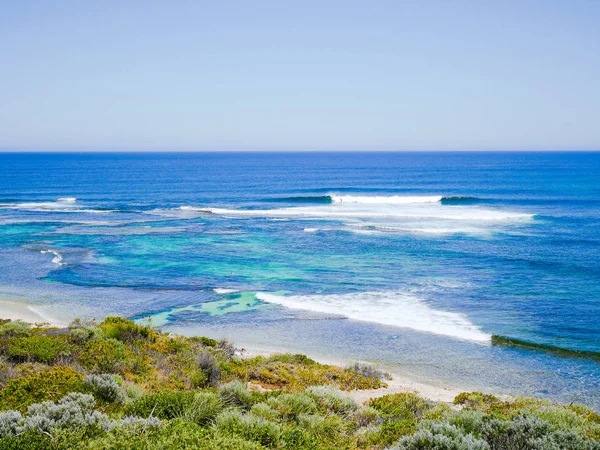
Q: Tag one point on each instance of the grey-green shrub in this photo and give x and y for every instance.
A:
(528, 431)
(265, 411)
(332, 399)
(291, 405)
(73, 410)
(164, 405)
(83, 334)
(140, 422)
(256, 429)
(15, 329)
(11, 423)
(469, 421)
(204, 408)
(366, 416)
(323, 427)
(235, 393)
(440, 436)
(106, 387)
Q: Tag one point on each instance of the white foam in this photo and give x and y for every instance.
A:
(342, 211)
(424, 215)
(386, 200)
(58, 258)
(225, 291)
(62, 204)
(311, 230)
(388, 308)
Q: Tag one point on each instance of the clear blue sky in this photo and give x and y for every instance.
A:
(300, 75)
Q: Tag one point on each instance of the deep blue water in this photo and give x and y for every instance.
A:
(417, 258)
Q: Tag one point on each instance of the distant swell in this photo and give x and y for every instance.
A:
(393, 308)
(460, 200)
(378, 199)
(301, 199)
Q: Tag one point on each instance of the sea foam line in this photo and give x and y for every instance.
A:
(388, 308)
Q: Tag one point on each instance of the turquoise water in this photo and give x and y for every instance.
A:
(412, 260)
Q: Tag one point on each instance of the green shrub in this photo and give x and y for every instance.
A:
(332, 399)
(38, 348)
(15, 329)
(265, 411)
(405, 405)
(252, 428)
(104, 355)
(194, 407)
(475, 399)
(83, 334)
(322, 427)
(204, 408)
(198, 379)
(126, 330)
(50, 384)
(366, 416)
(292, 405)
(205, 341)
(236, 394)
(390, 432)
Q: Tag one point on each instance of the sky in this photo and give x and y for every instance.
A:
(300, 75)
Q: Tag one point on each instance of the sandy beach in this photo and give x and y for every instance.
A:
(16, 310)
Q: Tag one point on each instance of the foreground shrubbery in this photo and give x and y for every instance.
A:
(120, 385)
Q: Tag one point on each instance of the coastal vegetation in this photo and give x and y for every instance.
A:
(119, 385)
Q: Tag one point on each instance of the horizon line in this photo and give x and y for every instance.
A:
(175, 150)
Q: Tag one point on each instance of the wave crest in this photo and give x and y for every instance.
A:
(388, 308)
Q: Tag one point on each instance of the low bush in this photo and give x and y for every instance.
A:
(405, 405)
(265, 411)
(249, 427)
(441, 436)
(366, 416)
(106, 387)
(104, 355)
(235, 393)
(126, 330)
(368, 371)
(291, 406)
(15, 329)
(38, 348)
(51, 384)
(332, 399)
(324, 428)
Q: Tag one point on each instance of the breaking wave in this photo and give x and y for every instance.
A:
(388, 308)
(373, 200)
(58, 257)
(62, 204)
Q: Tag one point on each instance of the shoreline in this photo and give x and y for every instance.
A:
(399, 382)
(17, 310)
(21, 311)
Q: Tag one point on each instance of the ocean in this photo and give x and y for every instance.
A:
(412, 261)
